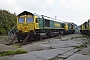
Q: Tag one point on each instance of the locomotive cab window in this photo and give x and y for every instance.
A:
(29, 20)
(20, 20)
(37, 20)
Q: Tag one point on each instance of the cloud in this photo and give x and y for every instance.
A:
(67, 10)
(74, 10)
(34, 5)
(50, 2)
(86, 1)
(6, 4)
(75, 7)
(39, 6)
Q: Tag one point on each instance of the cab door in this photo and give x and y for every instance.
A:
(36, 21)
(66, 26)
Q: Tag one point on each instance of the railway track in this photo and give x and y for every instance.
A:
(6, 41)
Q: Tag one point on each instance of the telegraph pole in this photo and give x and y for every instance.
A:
(55, 17)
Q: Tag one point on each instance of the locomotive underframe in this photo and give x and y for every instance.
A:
(86, 32)
(39, 34)
(69, 31)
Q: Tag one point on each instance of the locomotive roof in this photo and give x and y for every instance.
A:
(29, 13)
(25, 13)
(39, 16)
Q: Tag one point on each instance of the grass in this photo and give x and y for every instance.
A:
(77, 37)
(84, 35)
(81, 46)
(6, 53)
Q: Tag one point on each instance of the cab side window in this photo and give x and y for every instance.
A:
(37, 20)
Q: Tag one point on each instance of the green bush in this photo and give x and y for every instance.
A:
(7, 21)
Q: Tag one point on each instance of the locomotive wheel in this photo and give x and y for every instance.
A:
(46, 37)
(31, 36)
(40, 38)
(51, 34)
(19, 40)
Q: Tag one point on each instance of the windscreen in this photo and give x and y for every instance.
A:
(20, 20)
(29, 20)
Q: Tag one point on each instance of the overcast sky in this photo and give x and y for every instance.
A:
(77, 11)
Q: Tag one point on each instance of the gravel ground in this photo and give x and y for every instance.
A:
(65, 47)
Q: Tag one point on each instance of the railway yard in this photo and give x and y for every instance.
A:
(45, 33)
(66, 47)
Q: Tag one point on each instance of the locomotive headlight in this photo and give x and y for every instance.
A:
(20, 29)
(30, 29)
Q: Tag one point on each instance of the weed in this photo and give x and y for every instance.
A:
(51, 47)
(39, 49)
(57, 57)
(81, 46)
(17, 46)
(85, 36)
(48, 41)
(54, 58)
(84, 54)
(72, 38)
(61, 39)
(77, 37)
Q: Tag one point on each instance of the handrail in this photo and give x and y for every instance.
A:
(13, 30)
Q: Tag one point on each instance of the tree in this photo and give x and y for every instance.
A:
(7, 21)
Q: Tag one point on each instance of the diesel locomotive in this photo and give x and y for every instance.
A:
(37, 26)
(85, 28)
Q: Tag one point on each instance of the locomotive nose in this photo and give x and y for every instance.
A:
(25, 27)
